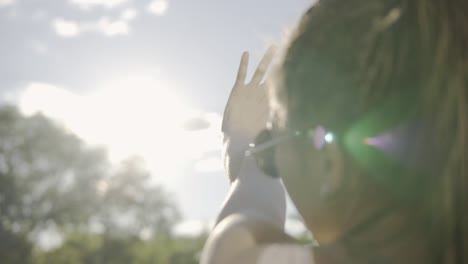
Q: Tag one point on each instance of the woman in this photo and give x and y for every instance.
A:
(367, 129)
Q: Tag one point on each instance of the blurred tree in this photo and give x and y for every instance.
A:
(102, 249)
(14, 248)
(46, 174)
(131, 205)
(51, 178)
(90, 249)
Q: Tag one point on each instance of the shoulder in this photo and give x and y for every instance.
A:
(229, 238)
(236, 240)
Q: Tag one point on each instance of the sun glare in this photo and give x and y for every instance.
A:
(134, 115)
(138, 110)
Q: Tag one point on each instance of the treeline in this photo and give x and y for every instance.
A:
(53, 184)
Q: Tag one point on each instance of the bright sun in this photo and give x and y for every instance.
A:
(136, 114)
(139, 114)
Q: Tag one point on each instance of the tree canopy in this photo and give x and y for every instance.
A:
(51, 179)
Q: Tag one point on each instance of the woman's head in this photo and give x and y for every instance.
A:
(389, 80)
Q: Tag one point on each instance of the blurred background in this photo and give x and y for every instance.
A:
(110, 114)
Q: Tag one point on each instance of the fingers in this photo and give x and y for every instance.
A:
(263, 66)
(242, 73)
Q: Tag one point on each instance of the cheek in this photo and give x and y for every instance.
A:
(289, 163)
(299, 173)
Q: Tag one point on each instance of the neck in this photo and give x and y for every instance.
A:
(389, 241)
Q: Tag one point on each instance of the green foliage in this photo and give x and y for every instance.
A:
(104, 249)
(41, 170)
(49, 178)
(14, 248)
(88, 248)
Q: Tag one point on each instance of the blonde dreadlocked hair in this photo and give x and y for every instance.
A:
(349, 57)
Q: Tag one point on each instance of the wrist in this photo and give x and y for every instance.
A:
(233, 154)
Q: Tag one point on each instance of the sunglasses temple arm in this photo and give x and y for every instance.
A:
(266, 145)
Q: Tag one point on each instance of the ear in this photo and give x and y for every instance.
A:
(332, 165)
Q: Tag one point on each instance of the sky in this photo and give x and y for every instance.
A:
(128, 74)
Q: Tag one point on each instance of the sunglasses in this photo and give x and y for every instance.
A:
(263, 148)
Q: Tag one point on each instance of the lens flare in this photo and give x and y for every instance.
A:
(329, 138)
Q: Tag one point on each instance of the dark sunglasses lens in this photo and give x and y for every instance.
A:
(266, 159)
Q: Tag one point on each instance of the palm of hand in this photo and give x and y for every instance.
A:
(245, 115)
(246, 111)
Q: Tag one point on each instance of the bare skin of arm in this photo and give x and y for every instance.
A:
(245, 116)
(247, 238)
(253, 214)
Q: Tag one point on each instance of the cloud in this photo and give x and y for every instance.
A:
(125, 134)
(51, 100)
(202, 136)
(110, 27)
(156, 135)
(196, 123)
(128, 14)
(105, 25)
(89, 4)
(203, 121)
(158, 7)
(4, 3)
(66, 28)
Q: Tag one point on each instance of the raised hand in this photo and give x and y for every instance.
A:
(246, 112)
